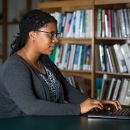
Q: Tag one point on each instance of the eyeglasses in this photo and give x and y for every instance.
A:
(52, 35)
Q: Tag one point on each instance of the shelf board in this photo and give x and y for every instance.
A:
(106, 2)
(76, 40)
(64, 4)
(12, 23)
(1, 23)
(111, 73)
(79, 73)
(113, 38)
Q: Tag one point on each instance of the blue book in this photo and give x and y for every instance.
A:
(67, 57)
(76, 56)
(98, 85)
(82, 57)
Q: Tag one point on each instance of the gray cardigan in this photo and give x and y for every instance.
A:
(23, 92)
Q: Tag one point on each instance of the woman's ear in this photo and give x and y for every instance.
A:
(32, 35)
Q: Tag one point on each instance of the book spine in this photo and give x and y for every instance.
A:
(115, 94)
(99, 22)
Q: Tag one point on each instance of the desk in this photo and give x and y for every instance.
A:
(62, 123)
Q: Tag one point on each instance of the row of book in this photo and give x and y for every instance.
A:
(114, 88)
(79, 83)
(113, 58)
(72, 56)
(113, 23)
(77, 24)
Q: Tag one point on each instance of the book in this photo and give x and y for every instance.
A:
(109, 60)
(110, 23)
(115, 23)
(111, 88)
(77, 23)
(102, 57)
(116, 91)
(98, 85)
(70, 32)
(76, 56)
(67, 23)
(97, 58)
(123, 90)
(64, 56)
(71, 59)
(67, 57)
(127, 95)
(105, 77)
(82, 30)
(99, 31)
(105, 88)
(112, 59)
(115, 59)
(120, 58)
(122, 23)
(126, 53)
(106, 25)
(103, 23)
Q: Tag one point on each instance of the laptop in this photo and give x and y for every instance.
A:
(112, 113)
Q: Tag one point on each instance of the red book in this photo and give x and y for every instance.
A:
(110, 23)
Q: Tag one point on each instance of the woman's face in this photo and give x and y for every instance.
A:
(46, 40)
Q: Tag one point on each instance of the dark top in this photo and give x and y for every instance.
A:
(23, 92)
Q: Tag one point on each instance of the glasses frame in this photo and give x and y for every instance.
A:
(51, 34)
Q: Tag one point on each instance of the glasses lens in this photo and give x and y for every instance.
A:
(58, 36)
(55, 35)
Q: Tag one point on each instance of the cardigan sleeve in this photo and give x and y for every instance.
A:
(18, 82)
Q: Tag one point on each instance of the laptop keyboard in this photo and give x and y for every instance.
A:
(123, 112)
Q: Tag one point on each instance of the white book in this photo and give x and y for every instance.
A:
(70, 32)
(57, 16)
(87, 23)
(70, 66)
(127, 96)
(115, 94)
(120, 58)
(126, 53)
(67, 24)
(106, 26)
(77, 23)
(123, 91)
(82, 24)
(63, 56)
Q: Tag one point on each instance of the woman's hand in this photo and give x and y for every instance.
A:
(115, 103)
(90, 104)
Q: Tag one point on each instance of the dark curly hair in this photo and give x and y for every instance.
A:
(32, 20)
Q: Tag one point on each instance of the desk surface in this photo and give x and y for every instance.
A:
(62, 123)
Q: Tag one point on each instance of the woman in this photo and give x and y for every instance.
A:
(30, 84)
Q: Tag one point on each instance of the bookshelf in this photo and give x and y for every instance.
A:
(70, 6)
(8, 24)
(111, 41)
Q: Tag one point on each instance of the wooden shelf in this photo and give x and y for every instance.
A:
(63, 4)
(87, 41)
(111, 73)
(106, 2)
(113, 38)
(78, 73)
(12, 23)
(1, 56)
